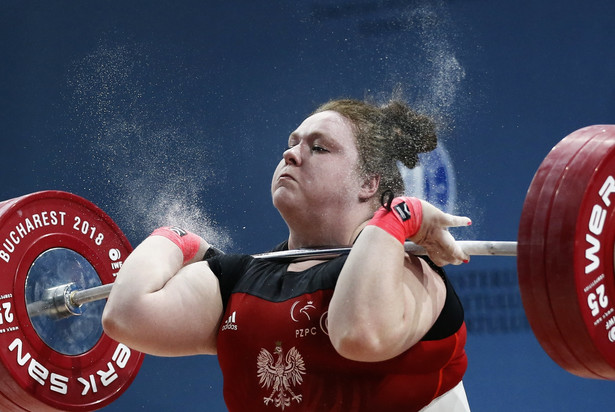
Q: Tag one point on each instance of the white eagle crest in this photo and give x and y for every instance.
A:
(281, 374)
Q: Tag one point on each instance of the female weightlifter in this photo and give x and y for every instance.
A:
(378, 329)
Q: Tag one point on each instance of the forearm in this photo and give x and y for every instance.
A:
(147, 269)
(146, 299)
(151, 265)
(385, 301)
(371, 304)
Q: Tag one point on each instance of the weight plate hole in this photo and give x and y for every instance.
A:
(50, 272)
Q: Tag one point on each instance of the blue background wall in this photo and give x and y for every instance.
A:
(162, 111)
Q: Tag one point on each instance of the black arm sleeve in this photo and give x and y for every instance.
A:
(228, 269)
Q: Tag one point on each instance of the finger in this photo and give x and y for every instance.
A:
(441, 218)
(442, 260)
(438, 261)
(457, 221)
(443, 250)
(453, 251)
(458, 253)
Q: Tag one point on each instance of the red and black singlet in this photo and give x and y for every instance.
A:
(275, 353)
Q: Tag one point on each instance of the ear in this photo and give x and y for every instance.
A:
(369, 187)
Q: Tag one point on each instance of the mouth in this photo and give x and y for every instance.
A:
(284, 176)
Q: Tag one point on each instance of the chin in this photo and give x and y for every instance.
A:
(286, 204)
(281, 199)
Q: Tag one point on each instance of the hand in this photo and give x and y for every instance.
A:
(434, 236)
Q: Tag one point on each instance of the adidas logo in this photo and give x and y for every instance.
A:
(230, 323)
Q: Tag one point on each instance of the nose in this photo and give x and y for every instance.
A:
(292, 155)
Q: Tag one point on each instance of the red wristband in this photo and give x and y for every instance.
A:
(188, 242)
(402, 220)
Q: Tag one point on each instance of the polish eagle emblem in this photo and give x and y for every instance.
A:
(281, 375)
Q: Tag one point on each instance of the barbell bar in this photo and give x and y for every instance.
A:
(65, 300)
(58, 251)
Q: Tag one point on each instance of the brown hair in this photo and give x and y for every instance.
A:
(386, 134)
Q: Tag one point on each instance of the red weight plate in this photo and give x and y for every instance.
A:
(13, 398)
(569, 205)
(563, 343)
(531, 246)
(531, 249)
(29, 227)
(568, 341)
(583, 303)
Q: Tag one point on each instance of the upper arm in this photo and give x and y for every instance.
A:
(181, 318)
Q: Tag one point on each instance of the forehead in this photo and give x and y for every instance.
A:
(327, 124)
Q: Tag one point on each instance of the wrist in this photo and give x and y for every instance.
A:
(187, 242)
(401, 218)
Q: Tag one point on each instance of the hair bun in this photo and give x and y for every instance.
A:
(411, 133)
(386, 134)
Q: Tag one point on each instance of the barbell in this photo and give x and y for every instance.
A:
(60, 254)
(66, 299)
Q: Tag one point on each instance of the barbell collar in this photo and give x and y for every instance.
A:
(56, 303)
